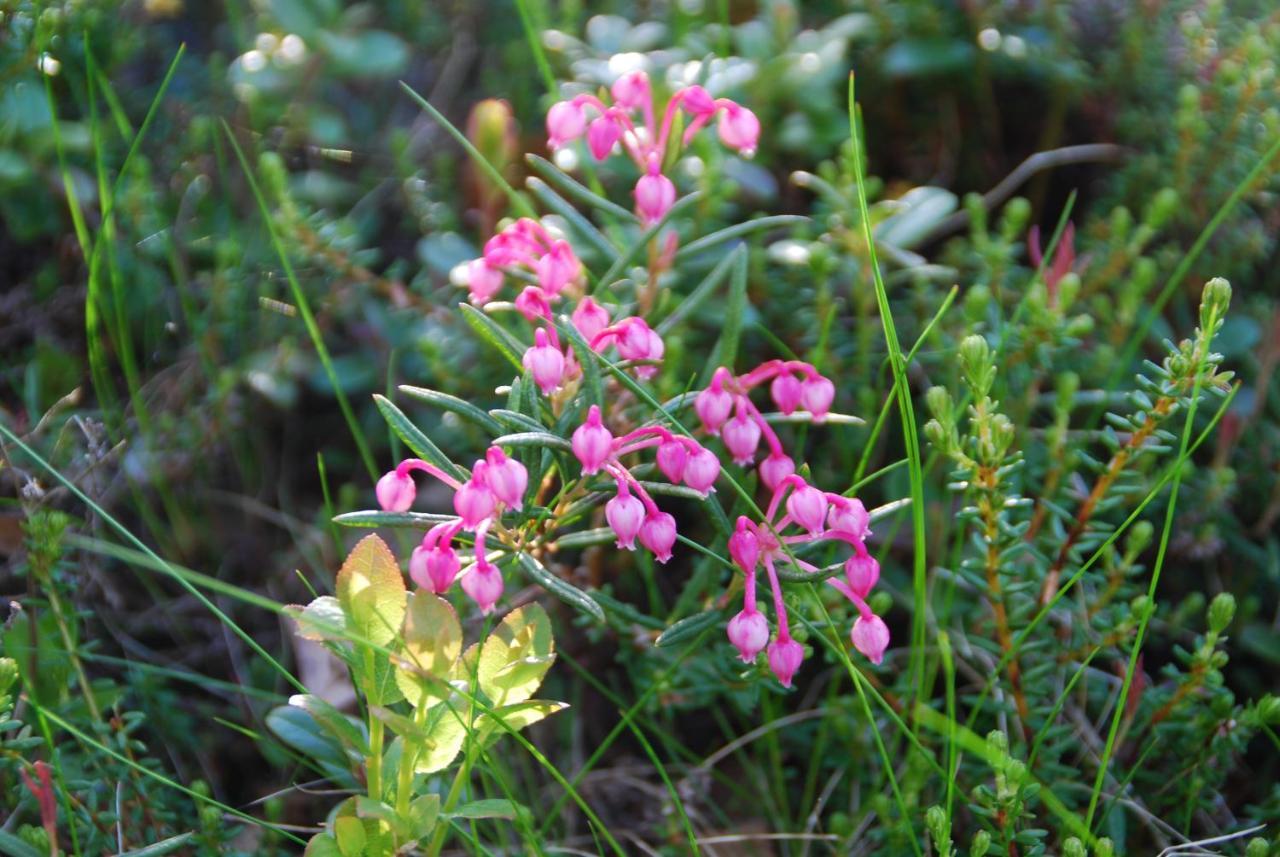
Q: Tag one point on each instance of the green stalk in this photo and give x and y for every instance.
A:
(906, 411)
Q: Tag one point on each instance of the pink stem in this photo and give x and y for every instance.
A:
(779, 608)
(403, 468)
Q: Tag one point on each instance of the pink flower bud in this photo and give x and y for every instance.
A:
(590, 318)
(532, 303)
(434, 568)
(602, 135)
(697, 100)
(741, 436)
(702, 470)
(483, 281)
(785, 657)
(739, 129)
(672, 458)
(862, 571)
(870, 636)
(507, 478)
(395, 491)
(592, 443)
(807, 506)
(565, 123)
(640, 342)
(631, 90)
(484, 585)
(557, 268)
(625, 515)
(785, 390)
(473, 501)
(816, 394)
(713, 405)
(545, 362)
(658, 534)
(848, 514)
(775, 468)
(744, 547)
(655, 194)
(749, 632)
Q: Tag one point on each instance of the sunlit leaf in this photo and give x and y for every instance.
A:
(516, 656)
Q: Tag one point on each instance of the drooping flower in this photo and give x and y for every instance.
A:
(545, 362)
(658, 534)
(592, 443)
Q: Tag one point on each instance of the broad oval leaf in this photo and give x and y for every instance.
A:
(432, 644)
(514, 717)
(516, 656)
(371, 591)
(323, 619)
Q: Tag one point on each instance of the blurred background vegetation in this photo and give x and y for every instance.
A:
(155, 351)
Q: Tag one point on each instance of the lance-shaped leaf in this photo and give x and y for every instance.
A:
(414, 438)
(461, 407)
(516, 656)
(565, 591)
(432, 644)
(495, 334)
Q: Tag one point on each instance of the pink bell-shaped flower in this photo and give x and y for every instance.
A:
(739, 129)
(483, 281)
(807, 506)
(863, 572)
(785, 390)
(658, 534)
(557, 268)
(849, 515)
(870, 636)
(602, 135)
(672, 458)
(702, 470)
(395, 491)
(631, 91)
(744, 547)
(565, 123)
(697, 100)
(484, 585)
(785, 657)
(625, 515)
(816, 394)
(507, 478)
(474, 501)
(545, 362)
(533, 304)
(434, 567)
(749, 633)
(655, 194)
(592, 443)
(775, 468)
(741, 436)
(590, 318)
(714, 404)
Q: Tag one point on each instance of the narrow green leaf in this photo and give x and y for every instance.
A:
(462, 408)
(719, 237)
(164, 846)
(374, 518)
(12, 846)
(566, 592)
(576, 190)
(533, 438)
(696, 298)
(414, 437)
(690, 626)
(486, 808)
(495, 334)
(633, 252)
(516, 421)
(726, 350)
(580, 224)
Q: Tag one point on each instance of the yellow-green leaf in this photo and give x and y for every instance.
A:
(516, 656)
(446, 733)
(371, 591)
(349, 832)
(515, 717)
(432, 643)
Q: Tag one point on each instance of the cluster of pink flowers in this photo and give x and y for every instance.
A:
(496, 482)
(725, 408)
(526, 244)
(647, 143)
(819, 516)
(681, 459)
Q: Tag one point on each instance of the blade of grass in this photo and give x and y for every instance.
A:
(304, 307)
(906, 412)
